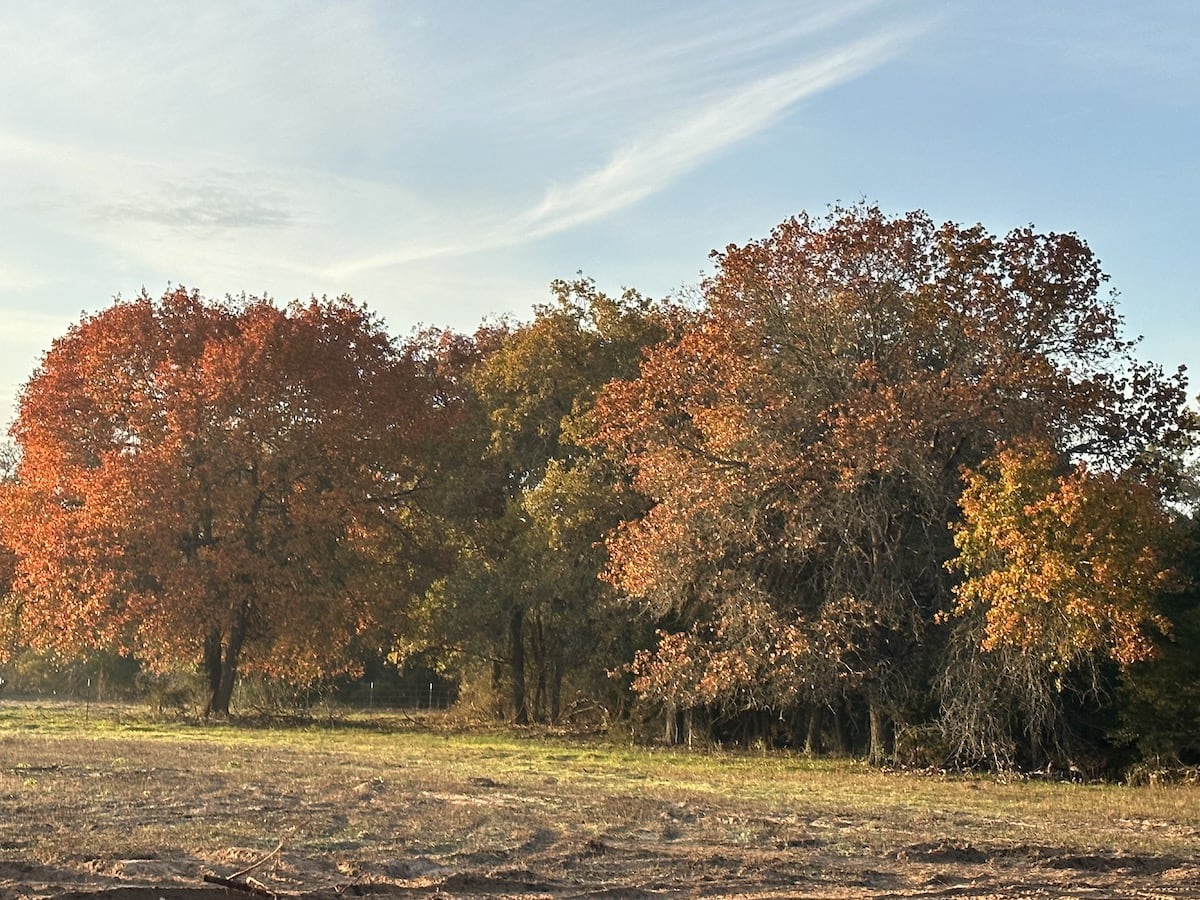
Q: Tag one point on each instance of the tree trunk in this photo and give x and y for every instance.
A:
(535, 657)
(556, 680)
(497, 688)
(670, 724)
(221, 660)
(516, 638)
(539, 695)
(812, 737)
(212, 667)
(878, 754)
(841, 745)
(220, 700)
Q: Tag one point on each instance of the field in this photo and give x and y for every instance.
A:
(109, 800)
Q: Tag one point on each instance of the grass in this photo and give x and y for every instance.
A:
(82, 790)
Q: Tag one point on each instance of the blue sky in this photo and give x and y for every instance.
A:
(443, 161)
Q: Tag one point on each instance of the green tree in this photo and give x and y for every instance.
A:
(525, 597)
(1159, 697)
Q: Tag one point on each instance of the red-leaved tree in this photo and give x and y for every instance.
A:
(228, 484)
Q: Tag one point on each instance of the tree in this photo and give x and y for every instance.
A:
(536, 501)
(1062, 568)
(1159, 698)
(1062, 565)
(228, 483)
(8, 559)
(800, 449)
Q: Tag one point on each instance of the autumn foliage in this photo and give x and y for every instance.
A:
(802, 446)
(1063, 563)
(220, 482)
(881, 484)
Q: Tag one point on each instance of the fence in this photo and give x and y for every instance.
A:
(371, 694)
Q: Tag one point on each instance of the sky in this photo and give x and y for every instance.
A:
(442, 162)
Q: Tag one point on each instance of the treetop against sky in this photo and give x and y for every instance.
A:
(442, 164)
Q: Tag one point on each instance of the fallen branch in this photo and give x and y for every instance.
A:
(254, 865)
(249, 885)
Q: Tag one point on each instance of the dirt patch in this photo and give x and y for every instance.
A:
(641, 870)
(960, 853)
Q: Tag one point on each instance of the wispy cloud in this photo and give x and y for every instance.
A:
(652, 163)
(677, 144)
(167, 173)
(691, 52)
(215, 201)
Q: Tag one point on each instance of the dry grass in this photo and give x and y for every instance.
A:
(107, 798)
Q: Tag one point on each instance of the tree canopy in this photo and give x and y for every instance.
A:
(802, 446)
(881, 484)
(534, 501)
(218, 481)
(1064, 565)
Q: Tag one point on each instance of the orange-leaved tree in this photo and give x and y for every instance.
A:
(801, 449)
(225, 483)
(1063, 567)
(1062, 561)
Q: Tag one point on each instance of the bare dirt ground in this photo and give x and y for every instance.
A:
(139, 812)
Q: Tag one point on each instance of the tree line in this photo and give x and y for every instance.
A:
(881, 486)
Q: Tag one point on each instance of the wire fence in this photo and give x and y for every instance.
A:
(370, 694)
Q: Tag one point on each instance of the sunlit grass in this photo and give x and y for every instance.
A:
(115, 782)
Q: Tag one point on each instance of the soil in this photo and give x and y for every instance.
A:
(659, 862)
(99, 819)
